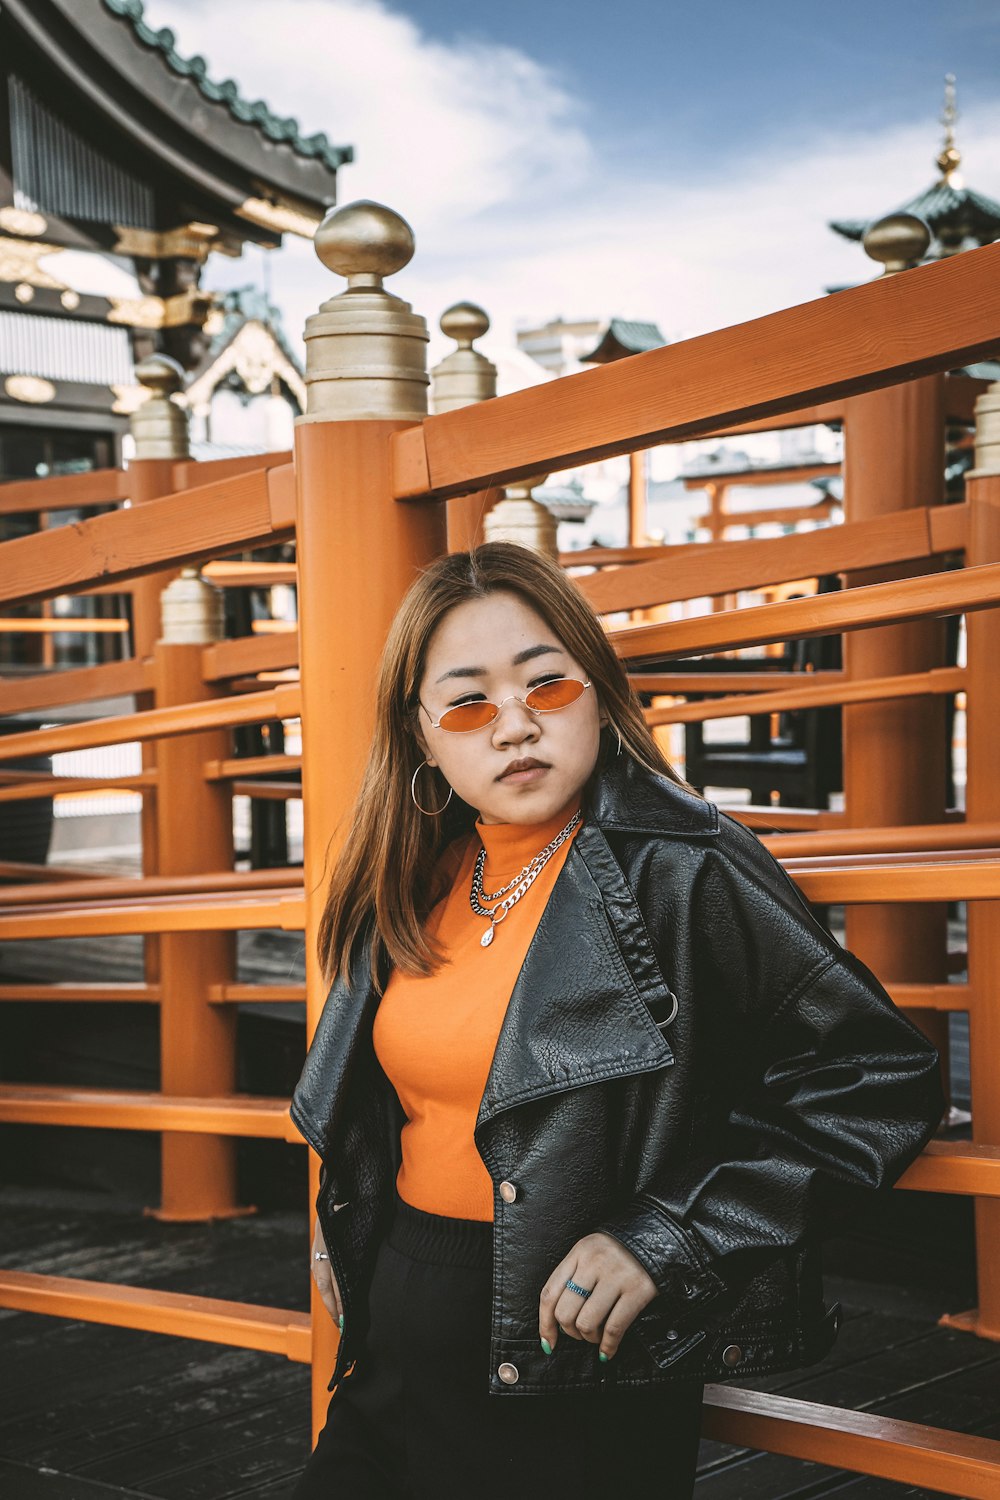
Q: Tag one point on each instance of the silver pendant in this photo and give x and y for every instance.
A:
(486, 938)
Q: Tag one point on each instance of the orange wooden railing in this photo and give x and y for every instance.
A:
(363, 500)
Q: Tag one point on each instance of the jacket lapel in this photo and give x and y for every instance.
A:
(579, 1011)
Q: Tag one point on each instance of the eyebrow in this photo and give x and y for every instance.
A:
(528, 654)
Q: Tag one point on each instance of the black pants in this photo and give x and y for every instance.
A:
(415, 1420)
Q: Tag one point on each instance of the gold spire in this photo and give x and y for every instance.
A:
(950, 158)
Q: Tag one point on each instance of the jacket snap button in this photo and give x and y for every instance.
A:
(508, 1373)
(672, 1333)
(508, 1192)
(731, 1355)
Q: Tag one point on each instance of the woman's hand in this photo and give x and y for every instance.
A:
(326, 1282)
(620, 1287)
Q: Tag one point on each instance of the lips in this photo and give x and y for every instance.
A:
(529, 764)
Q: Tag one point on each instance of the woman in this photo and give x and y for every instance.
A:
(591, 1083)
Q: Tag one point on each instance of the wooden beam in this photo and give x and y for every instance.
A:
(63, 492)
(134, 1109)
(241, 1325)
(693, 570)
(878, 334)
(787, 699)
(112, 679)
(909, 1453)
(950, 593)
(248, 510)
(761, 474)
(281, 702)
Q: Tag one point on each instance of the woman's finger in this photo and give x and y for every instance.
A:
(322, 1273)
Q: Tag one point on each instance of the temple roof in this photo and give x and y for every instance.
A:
(622, 337)
(953, 212)
(246, 112)
(125, 87)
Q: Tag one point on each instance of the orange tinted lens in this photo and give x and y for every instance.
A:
(558, 694)
(466, 716)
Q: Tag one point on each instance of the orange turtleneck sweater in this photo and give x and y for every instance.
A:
(435, 1035)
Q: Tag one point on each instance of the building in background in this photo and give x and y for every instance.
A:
(123, 167)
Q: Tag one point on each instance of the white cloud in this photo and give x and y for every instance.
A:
(486, 152)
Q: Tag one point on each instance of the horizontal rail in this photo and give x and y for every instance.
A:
(931, 996)
(955, 1167)
(30, 787)
(914, 838)
(250, 765)
(932, 318)
(127, 1109)
(63, 492)
(130, 994)
(761, 474)
(142, 888)
(867, 1442)
(787, 515)
(243, 1325)
(951, 593)
(249, 654)
(248, 510)
(696, 569)
(188, 472)
(57, 689)
(210, 913)
(60, 625)
(245, 575)
(919, 880)
(680, 684)
(255, 994)
(280, 702)
(939, 680)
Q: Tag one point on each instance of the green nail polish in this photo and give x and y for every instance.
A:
(546, 1346)
(342, 1322)
(603, 1356)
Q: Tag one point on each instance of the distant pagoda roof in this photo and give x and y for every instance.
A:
(127, 89)
(953, 212)
(623, 337)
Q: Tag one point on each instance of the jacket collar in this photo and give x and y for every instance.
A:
(580, 1010)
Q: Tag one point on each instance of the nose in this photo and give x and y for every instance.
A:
(514, 723)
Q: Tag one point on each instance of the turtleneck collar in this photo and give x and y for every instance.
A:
(510, 846)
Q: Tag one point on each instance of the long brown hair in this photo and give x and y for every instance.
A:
(383, 879)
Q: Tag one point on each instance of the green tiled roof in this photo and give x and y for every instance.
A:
(256, 113)
(940, 205)
(637, 336)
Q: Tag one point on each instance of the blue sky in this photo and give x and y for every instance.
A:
(728, 77)
(672, 162)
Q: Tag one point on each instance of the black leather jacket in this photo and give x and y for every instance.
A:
(688, 1062)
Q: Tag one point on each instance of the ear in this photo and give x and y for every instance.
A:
(419, 737)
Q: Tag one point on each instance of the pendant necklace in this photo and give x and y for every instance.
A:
(510, 894)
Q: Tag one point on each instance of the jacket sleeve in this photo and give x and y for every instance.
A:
(833, 1095)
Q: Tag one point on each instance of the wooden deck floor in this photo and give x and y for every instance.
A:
(89, 1413)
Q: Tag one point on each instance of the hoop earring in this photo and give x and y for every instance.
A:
(431, 812)
(618, 732)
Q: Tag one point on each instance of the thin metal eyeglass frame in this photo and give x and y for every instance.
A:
(499, 706)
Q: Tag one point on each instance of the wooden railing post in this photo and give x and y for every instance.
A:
(895, 752)
(463, 377)
(358, 549)
(194, 817)
(982, 804)
(160, 434)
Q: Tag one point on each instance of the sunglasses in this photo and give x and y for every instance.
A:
(546, 698)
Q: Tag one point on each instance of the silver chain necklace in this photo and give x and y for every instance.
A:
(517, 886)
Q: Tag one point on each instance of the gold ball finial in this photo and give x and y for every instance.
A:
(160, 374)
(897, 242)
(950, 158)
(364, 241)
(464, 322)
